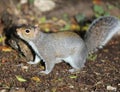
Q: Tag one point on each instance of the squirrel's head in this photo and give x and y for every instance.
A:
(27, 32)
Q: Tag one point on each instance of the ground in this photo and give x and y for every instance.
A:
(102, 74)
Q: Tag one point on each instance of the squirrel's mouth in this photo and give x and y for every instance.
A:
(17, 35)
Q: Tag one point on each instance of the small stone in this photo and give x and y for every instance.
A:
(3, 90)
(17, 90)
(44, 5)
(23, 1)
(111, 88)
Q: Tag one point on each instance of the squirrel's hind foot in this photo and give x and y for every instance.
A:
(32, 62)
(44, 72)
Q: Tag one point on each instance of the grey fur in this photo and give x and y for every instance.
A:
(101, 31)
(69, 47)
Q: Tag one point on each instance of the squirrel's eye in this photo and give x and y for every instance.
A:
(27, 31)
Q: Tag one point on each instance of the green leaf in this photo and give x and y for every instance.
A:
(92, 57)
(54, 18)
(43, 19)
(106, 14)
(98, 9)
(54, 89)
(66, 27)
(1, 39)
(86, 27)
(31, 1)
(73, 76)
(66, 17)
(47, 30)
(20, 79)
(110, 6)
(97, 15)
(79, 17)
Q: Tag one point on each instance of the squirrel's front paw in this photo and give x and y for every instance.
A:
(31, 62)
(44, 72)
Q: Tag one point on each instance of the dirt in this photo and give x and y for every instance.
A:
(101, 74)
(94, 77)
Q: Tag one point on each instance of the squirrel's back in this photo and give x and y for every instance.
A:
(101, 31)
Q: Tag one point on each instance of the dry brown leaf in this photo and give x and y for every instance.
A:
(36, 79)
(6, 49)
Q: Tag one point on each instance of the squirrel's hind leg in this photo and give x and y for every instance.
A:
(75, 63)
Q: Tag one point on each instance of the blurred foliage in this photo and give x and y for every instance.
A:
(30, 1)
(110, 6)
(54, 24)
(92, 57)
(66, 17)
(42, 19)
(97, 1)
(99, 11)
(80, 17)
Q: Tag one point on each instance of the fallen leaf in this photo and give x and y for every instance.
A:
(75, 27)
(42, 67)
(92, 57)
(106, 50)
(80, 17)
(20, 79)
(1, 39)
(54, 89)
(42, 19)
(36, 79)
(85, 27)
(66, 27)
(6, 49)
(73, 76)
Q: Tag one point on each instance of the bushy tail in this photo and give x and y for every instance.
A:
(101, 31)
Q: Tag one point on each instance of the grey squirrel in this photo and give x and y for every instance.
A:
(53, 48)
